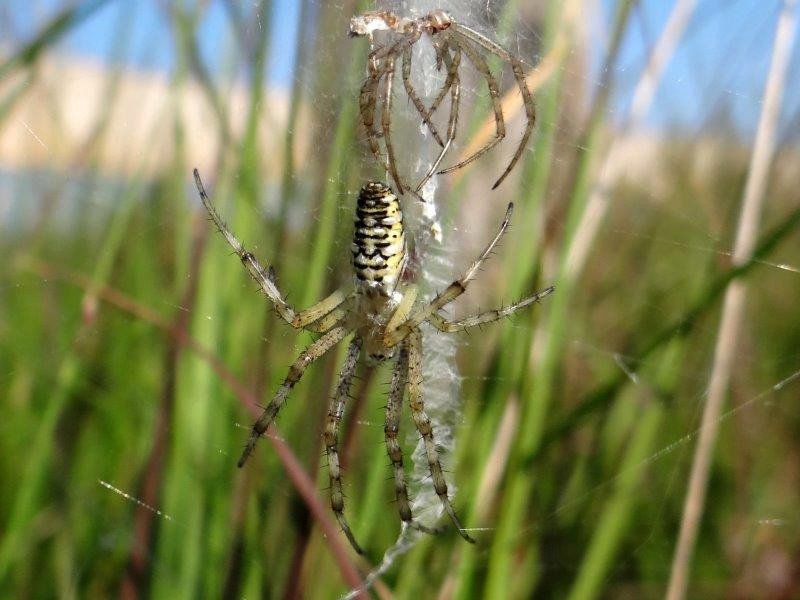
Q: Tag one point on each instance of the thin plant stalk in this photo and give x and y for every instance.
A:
(599, 201)
(558, 32)
(68, 375)
(618, 511)
(516, 498)
(734, 302)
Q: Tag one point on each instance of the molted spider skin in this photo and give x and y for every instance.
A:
(450, 39)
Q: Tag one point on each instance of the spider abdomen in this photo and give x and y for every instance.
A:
(379, 246)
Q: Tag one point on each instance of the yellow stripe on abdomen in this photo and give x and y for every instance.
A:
(379, 243)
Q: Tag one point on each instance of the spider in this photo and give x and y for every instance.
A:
(381, 312)
(450, 39)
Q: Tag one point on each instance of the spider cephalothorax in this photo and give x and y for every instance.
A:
(450, 40)
(381, 312)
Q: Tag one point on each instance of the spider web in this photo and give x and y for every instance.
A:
(634, 119)
(436, 247)
(699, 97)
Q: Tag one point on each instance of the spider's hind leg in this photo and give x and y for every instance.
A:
(319, 318)
(393, 449)
(309, 355)
(395, 334)
(331, 436)
(425, 428)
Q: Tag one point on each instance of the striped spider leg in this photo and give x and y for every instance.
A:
(312, 318)
(406, 332)
(429, 313)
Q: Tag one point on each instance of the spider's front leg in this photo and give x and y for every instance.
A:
(488, 316)
(309, 355)
(391, 429)
(265, 278)
(399, 332)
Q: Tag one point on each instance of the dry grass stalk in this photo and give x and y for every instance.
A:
(733, 307)
(598, 202)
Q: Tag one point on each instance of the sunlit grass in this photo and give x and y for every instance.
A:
(130, 339)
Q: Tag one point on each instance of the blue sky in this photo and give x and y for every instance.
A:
(719, 67)
(149, 41)
(721, 63)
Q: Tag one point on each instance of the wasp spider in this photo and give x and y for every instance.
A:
(450, 40)
(381, 313)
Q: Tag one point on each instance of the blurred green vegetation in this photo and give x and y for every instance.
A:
(118, 315)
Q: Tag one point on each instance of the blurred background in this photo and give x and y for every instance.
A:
(659, 193)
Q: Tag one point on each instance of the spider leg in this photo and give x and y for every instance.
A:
(265, 278)
(530, 115)
(391, 430)
(380, 67)
(488, 316)
(455, 96)
(327, 307)
(451, 292)
(494, 92)
(423, 425)
(331, 319)
(414, 97)
(331, 435)
(367, 100)
(368, 97)
(452, 64)
(307, 356)
(386, 123)
(519, 77)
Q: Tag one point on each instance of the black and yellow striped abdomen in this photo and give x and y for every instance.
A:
(379, 243)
